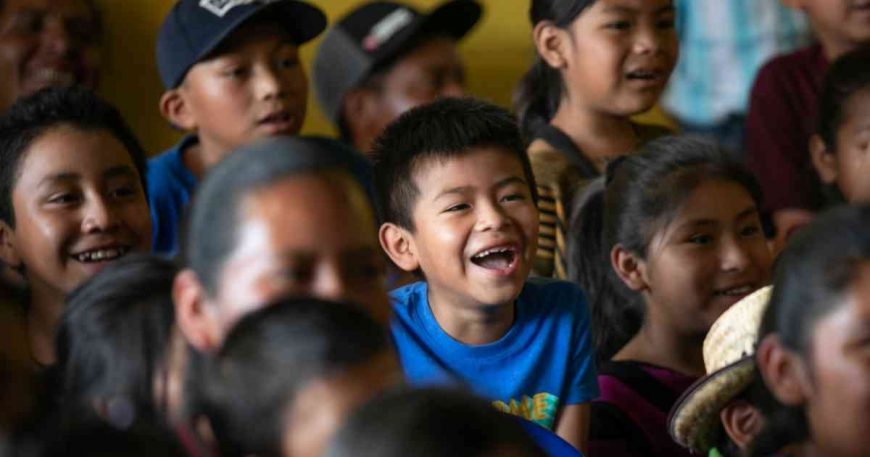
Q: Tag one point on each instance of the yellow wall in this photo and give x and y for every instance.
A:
(497, 53)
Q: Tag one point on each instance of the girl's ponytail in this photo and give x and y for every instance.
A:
(537, 97)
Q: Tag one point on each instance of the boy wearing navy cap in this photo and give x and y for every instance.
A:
(384, 58)
(232, 74)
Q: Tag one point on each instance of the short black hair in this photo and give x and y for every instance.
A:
(102, 440)
(847, 75)
(269, 356)
(113, 337)
(432, 422)
(444, 129)
(211, 228)
(30, 117)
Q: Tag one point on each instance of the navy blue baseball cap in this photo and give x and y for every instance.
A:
(194, 28)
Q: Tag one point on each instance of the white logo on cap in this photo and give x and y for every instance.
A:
(221, 7)
(386, 28)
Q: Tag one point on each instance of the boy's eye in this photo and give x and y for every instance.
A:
(701, 240)
(457, 207)
(665, 23)
(289, 62)
(619, 25)
(750, 230)
(123, 191)
(513, 197)
(67, 198)
(235, 72)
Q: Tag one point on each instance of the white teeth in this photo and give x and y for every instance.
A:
(55, 77)
(100, 255)
(736, 291)
(492, 251)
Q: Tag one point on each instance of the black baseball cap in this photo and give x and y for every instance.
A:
(194, 28)
(372, 35)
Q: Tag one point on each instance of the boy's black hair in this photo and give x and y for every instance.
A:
(847, 75)
(641, 194)
(113, 337)
(447, 128)
(211, 228)
(269, 356)
(430, 422)
(30, 117)
(540, 92)
(812, 279)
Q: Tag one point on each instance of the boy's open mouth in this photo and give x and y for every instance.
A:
(497, 258)
(101, 254)
(644, 75)
(734, 291)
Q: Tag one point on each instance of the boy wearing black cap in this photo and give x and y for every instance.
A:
(232, 74)
(384, 58)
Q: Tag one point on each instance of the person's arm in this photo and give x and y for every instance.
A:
(573, 426)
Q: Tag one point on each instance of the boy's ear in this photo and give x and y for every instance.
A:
(783, 371)
(194, 319)
(8, 251)
(550, 43)
(741, 421)
(630, 269)
(824, 160)
(398, 243)
(175, 109)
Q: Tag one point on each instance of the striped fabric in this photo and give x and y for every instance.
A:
(562, 172)
(723, 43)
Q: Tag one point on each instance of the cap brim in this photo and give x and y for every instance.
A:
(301, 20)
(695, 415)
(453, 19)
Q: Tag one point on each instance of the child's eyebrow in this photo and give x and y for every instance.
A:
(453, 190)
(511, 180)
(120, 170)
(62, 176)
(750, 211)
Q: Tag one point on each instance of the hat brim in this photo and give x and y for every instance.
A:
(302, 21)
(695, 415)
(453, 19)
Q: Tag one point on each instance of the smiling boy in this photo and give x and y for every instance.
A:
(232, 75)
(72, 199)
(456, 194)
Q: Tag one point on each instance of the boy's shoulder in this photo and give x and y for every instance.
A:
(540, 294)
(167, 169)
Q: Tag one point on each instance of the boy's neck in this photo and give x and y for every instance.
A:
(663, 346)
(600, 136)
(43, 316)
(202, 155)
(469, 323)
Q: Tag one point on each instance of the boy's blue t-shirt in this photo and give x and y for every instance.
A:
(170, 186)
(544, 362)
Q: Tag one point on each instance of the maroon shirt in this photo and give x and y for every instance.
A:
(782, 117)
(630, 418)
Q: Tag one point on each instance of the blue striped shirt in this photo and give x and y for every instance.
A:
(723, 44)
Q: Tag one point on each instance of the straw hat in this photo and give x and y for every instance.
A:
(728, 356)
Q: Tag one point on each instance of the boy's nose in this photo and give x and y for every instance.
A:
(268, 84)
(98, 217)
(491, 217)
(453, 89)
(56, 36)
(734, 256)
(329, 283)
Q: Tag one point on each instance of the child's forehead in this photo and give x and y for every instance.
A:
(66, 146)
(425, 166)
